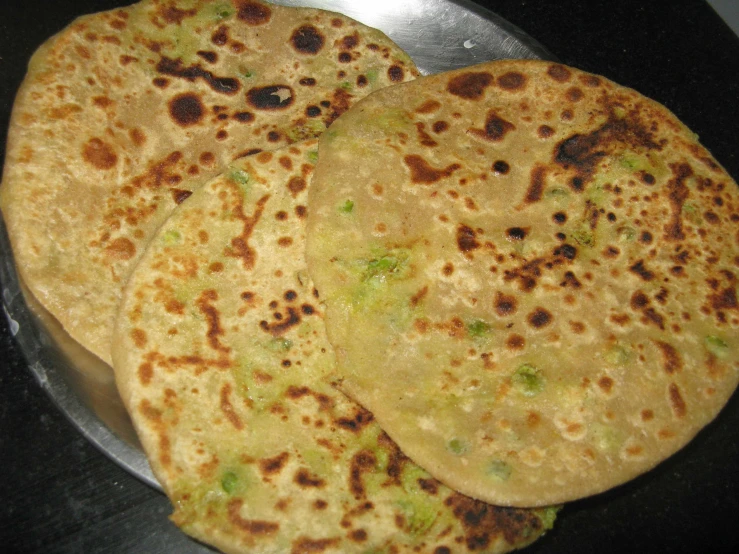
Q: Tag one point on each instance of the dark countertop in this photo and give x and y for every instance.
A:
(58, 493)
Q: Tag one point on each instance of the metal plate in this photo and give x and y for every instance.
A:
(438, 34)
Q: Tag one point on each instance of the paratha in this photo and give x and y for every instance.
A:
(124, 112)
(222, 359)
(530, 275)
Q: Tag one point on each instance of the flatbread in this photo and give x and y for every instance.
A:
(125, 112)
(222, 360)
(530, 275)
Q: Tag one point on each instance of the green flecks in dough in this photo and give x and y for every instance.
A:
(279, 345)
(478, 328)
(239, 176)
(312, 156)
(716, 346)
(306, 130)
(457, 446)
(617, 355)
(410, 477)
(690, 212)
(172, 237)
(229, 482)
(222, 11)
(392, 120)
(391, 265)
(558, 194)
(528, 380)
(632, 160)
(347, 207)
(584, 236)
(499, 470)
(548, 516)
(626, 233)
(604, 437)
(418, 514)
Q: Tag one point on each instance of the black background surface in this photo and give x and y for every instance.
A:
(59, 494)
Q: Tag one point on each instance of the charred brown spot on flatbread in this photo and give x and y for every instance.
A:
(583, 152)
(679, 407)
(99, 154)
(176, 68)
(362, 462)
(309, 545)
(253, 13)
(470, 86)
(179, 195)
(559, 73)
(512, 80)
(467, 239)
(121, 249)
(249, 526)
(186, 109)
(672, 361)
(270, 98)
(212, 316)
(537, 183)
(395, 73)
(359, 421)
(496, 128)
(145, 373)
(641, 271)
(307, 39)
(483, 523)
(678, 193)
(424, 173)
(239, 247)
(228, 409)
(505, 304)
(540, 318)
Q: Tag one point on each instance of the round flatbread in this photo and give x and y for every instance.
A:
(530, 275)
(222, 359)
(124, 112)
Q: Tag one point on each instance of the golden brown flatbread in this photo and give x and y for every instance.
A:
(530, 275)
(125, 112)
(222, 359)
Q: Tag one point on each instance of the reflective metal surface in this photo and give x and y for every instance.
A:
(438, 34)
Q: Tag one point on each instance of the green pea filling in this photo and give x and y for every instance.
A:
(478, 328)
(528, 380)
(617, 355)
(626, 233)
(279, 345)
(584, 237)
(384, 267)
(500, 470)
(229, 482)
(557, 193)
(457, 446)
(716, 346)
(239, 176)
(172, 237)
(222, 11)
(347, 207)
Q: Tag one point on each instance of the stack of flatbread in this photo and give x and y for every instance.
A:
(476, 296)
